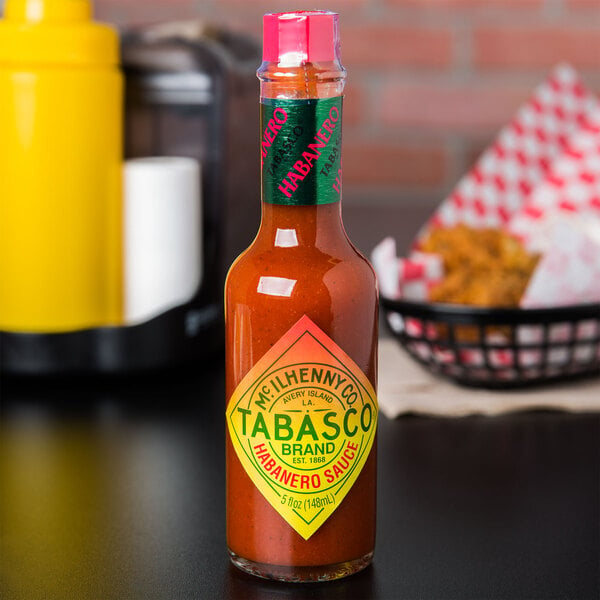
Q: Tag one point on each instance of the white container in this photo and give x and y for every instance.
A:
(162, 235)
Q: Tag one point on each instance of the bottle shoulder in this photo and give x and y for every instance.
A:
(259, 274)
(258, 258)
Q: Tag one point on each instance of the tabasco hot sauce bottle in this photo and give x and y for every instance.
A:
(301, 333)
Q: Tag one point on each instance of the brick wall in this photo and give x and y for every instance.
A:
(430, 81)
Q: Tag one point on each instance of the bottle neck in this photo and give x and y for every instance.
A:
(301, 126)
(291, 226)
(302, 81)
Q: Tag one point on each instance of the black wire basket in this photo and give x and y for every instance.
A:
(498, 347)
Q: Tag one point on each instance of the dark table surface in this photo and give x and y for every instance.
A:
(115, 489)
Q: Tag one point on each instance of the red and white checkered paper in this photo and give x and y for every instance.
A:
(570, 192)
(499, 184)
(568, 272)
(409, 278)
(561, 221)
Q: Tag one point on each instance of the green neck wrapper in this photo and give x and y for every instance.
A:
(301, 151)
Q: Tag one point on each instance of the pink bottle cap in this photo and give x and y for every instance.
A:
(293, 38)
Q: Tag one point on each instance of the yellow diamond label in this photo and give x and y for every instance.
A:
(302, 423)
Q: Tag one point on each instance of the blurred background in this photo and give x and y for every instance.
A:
(430, 84)
(429, 81)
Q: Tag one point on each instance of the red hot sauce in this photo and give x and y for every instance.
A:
(301, 333)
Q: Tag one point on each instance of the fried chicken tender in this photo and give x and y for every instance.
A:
(484, 267)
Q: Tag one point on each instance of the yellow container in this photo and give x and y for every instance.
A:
(60, 169)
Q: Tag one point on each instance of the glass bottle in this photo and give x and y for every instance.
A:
(301, 333)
